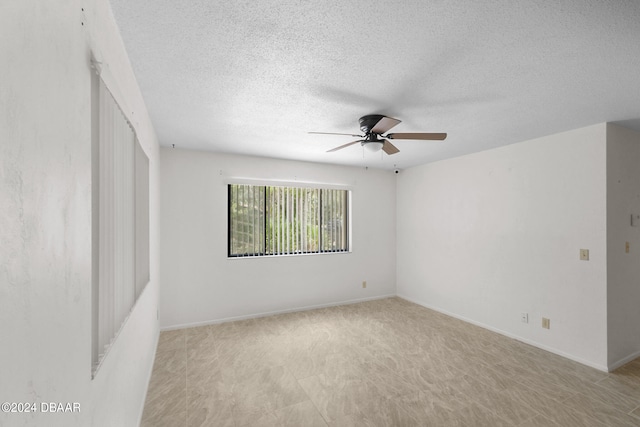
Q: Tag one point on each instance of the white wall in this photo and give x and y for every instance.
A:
(45, 206)
(199, 284)
(623, 269)
(489, 235)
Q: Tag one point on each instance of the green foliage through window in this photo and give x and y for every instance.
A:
(269, 220)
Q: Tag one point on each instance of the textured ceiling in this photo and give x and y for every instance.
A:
(253, 77)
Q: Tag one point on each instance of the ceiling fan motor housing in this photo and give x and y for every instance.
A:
(368, 122)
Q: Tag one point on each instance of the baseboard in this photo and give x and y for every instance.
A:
(510, 335)
(615, 365)
(273, 313)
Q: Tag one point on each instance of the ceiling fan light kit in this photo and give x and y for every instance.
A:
(374, 127)
(373, 146)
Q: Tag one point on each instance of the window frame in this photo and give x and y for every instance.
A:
(290, 185)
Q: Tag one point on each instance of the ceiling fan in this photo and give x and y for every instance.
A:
(374, 127)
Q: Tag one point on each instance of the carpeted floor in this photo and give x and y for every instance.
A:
(380, 363)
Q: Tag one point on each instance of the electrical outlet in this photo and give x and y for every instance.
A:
(584, 254)
(626, 247)
(546, 323)
(524, 317)
(364, 284)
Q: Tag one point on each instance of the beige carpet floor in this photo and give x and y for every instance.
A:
(379, 363)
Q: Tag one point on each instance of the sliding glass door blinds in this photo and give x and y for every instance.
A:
(122, 232)
(271, 220)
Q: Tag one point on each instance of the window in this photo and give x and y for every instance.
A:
(120, 220)
(269, 220)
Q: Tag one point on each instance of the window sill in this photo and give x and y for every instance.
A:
(288, 255)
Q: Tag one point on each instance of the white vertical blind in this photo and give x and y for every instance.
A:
(142, 219)
(123, 221)
(334, 220)
(281, 209)
(287, 221)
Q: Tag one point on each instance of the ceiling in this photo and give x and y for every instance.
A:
(253, 77)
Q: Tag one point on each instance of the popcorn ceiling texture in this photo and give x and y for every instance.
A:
(254, 77)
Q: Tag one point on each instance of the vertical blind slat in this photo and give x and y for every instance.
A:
(287, 222)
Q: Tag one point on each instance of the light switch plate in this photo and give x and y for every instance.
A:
(584, 254)
(546, 323)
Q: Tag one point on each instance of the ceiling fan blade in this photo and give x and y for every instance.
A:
(343, 146)
(384, 124)
(423, 136)
(333, 133)
(389, 148)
